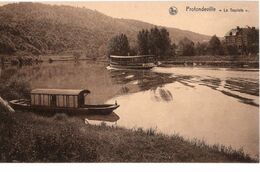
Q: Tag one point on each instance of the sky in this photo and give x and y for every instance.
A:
(209, 23)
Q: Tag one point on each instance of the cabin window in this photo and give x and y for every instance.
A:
(53, 100)
(60, 101)
(40, 99)
(32, 99)
(67, 101)
(45, 100)
(36, 99)
(75, 101)
(71, 101)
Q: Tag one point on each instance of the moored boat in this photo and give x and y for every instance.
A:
(132, 62)
(61, 101)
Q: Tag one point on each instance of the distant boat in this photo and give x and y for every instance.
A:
(132, 62)
(69, 101)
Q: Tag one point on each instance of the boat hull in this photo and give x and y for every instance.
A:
(86, 109)
(145, 67)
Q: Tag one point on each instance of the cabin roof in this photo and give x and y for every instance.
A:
(60, 91)
(114, 56)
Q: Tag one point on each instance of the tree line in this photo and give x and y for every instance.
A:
(154, 41)
(157, 42)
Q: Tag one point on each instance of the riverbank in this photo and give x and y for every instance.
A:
(26, 137)
(213, 61)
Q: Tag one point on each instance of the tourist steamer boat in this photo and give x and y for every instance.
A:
(61, 101)
(132, 62)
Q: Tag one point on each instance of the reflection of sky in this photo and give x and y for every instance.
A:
(217, 105)
(194, 112)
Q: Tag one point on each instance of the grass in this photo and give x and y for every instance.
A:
(27, 137)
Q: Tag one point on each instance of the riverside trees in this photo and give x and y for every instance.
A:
(119, 45)
(154, 41)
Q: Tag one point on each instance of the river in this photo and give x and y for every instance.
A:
(217, 105)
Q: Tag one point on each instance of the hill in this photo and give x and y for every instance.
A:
(45, 29)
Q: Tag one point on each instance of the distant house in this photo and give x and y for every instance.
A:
(242, 38)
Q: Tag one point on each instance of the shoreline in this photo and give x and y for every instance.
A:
(36, 138)
(238, 61)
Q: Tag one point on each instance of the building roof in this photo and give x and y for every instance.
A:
(114, 56)
(60, 91)
(232, 32)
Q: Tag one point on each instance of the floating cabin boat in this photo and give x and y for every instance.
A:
(61, 101)
(132, 62)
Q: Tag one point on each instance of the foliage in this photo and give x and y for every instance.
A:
(13, 85)
(156, 42)
(201, 48)
(119, 45)
(143, 42)
(47, 29)
(187, 47)
(215, 47)
(232, 50)
(6, 45)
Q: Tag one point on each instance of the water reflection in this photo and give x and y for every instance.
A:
(236, 83)
(144, 79)
(110, 119)
(162, 94)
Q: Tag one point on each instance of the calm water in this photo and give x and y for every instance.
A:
(214, 105)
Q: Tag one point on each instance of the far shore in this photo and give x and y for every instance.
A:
(238, 61)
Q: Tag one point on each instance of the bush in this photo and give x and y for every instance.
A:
(13, 85)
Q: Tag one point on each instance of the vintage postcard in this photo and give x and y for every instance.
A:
(169, 81)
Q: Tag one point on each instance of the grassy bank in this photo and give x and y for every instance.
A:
(26, 137)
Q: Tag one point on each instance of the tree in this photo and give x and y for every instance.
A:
(165, 42)
(6, 45)
(119, 45)
(215, 47)
(187, 47)
(232, 50)
(142, 41)
(173, 49)
(201, 48)
(156, 42)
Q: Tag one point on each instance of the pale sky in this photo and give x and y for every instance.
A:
(208, 23)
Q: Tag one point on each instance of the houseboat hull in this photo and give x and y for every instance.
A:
(132, 62)
(86, 109)
(137, 66)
